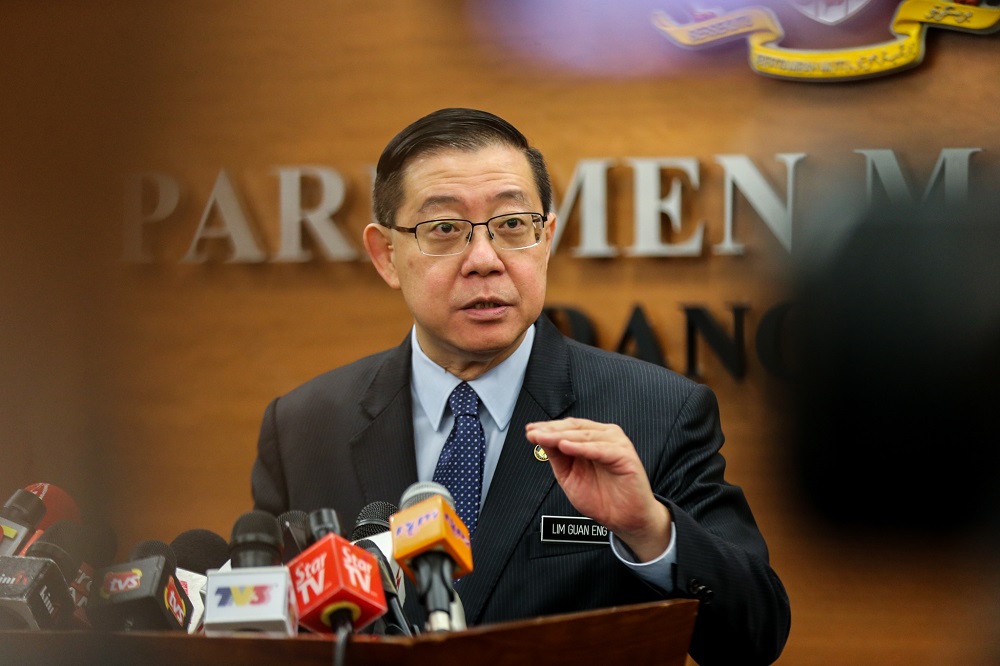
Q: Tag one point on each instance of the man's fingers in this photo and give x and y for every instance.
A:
(605, 452)
(570, 424)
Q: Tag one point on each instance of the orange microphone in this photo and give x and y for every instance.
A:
(431, 544)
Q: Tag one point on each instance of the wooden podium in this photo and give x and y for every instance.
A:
(654, 633)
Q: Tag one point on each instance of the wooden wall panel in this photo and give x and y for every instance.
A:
(139, 387)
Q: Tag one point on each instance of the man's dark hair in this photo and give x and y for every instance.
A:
(464, 129)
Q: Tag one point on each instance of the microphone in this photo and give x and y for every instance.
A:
(99, 547)
(295, 533)
(397, 623)
(373, 519)
(373, 524)
(336, 583)
(197, 551)
(33, 589)
(19, 518)
(432, 545)
(371, 532)
(142, 593)
(458, 614)
(58, 504)
(256, 593)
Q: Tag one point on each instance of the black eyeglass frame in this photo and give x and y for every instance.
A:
(468, 239)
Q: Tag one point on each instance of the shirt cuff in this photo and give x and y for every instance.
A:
(657, 572)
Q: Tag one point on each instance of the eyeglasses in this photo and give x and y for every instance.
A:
(511, 231)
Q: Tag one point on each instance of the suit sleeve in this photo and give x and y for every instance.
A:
(267, 480)
(721, 557)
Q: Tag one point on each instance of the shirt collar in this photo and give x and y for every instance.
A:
(497, 389)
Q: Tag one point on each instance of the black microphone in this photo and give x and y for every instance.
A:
(19, 517)
(142, 593)
(373, 519)
(322, 522)
(373, 524)
(372, 527)
(256, 541)
(197, 551)
(294, 532)
(34, 593)
(256, 594)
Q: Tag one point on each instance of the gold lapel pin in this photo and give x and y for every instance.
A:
(540, 454)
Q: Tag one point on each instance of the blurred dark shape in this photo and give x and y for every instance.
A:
(897, 384)
(100, 543)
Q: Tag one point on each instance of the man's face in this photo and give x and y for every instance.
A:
(471, 310)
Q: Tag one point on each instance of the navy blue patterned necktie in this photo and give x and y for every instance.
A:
(460, 467)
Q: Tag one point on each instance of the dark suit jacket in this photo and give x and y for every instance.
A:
(345, 439)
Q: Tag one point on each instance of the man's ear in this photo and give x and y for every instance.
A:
(378, 242)
(549, 231)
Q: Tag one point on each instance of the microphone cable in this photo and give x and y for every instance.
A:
(340, 644)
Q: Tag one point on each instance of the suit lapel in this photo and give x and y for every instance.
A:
(520, 482)
(383, 453)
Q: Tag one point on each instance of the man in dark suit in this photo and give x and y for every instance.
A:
(562, 438)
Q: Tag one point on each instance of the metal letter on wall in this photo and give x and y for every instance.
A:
(639, 340)
(649, 206)
(234, 225)
(573, 323)
(168, 194)
(731, 351)
(952, 164)
(742, 174)
(328, 237)
(591, 180)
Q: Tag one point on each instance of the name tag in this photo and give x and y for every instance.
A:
(574, 529)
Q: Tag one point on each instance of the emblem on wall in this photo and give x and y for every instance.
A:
(830, 12)
(763, 32)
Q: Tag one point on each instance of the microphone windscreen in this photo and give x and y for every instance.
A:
(373, 519)
(256, 540)
(421, 490)
(199, 550)
(58, 504)
(154, 548)
(295, 532)
(294, 517)
(63, 544)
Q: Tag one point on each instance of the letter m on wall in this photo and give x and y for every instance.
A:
(952, 168)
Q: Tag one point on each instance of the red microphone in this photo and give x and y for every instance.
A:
(58, 504)
(337, 585)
